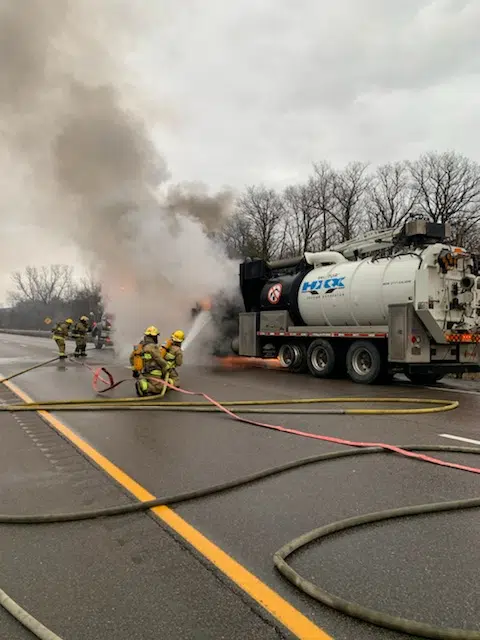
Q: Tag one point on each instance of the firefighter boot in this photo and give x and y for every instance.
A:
(141, 387)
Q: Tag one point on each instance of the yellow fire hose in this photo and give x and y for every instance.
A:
(241, 406)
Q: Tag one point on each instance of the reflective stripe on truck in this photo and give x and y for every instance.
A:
(314, 334)
(461, 337)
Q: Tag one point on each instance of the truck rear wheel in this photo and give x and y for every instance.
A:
(365, 363)
(293, 355)
(321, 360)
(424, 378)
(235, 345)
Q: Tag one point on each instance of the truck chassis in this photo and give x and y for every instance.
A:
(411, 343)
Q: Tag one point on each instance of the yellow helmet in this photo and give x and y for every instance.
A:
(178, 336)
(69, 321)
(84, 319)
(152, 331)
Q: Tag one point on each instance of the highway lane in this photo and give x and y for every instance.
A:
(417, 568)
(122, 578)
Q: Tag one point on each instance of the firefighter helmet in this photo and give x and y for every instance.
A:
(178, 336)
(152, 331)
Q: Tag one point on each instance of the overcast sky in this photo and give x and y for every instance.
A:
(261, 88)
(255, 90)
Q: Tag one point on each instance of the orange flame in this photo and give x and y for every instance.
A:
(206, 304)
(246, 362)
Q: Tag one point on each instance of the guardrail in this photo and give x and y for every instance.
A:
(35, 333)
(28, 332)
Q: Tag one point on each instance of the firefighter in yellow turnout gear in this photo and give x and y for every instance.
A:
(173, 355)
(60, 334)
(148, 365)
(79, 333)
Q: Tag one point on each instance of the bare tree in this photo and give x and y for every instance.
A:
(304, 223)
(263, 213)
(467, 235)
(42, 285)
(349, 190)
(87, 298)
(238, 237)
(50, 292)
(332, 206)
(448, 186)
(391, 197)
(89, 286)
(322, 183)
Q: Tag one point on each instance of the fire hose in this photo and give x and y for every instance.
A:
(247, 406)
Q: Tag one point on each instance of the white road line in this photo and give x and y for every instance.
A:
(453, 390)
(447, 435)
(473, 392)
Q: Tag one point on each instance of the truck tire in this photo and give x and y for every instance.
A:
(321, 359)
(293, 355)
(365, 363)
(421, 379)
(235, 345)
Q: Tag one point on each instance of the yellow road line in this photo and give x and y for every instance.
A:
(279, 608)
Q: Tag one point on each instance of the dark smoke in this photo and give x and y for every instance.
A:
(101, 147)
(27, 30)
(193, 200)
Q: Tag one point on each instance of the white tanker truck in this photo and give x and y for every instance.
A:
(414, 311)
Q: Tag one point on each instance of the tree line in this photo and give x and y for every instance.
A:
(335, 205)
(51, 292)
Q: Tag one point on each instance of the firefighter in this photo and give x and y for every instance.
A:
(148, 365)
(60, 334)
(174, 355)
(79, 333)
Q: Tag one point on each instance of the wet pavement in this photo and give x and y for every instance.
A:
(129, 577)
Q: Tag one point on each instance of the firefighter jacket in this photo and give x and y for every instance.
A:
(174, 356)
(61, 330)
(79, 330)
(154, 364)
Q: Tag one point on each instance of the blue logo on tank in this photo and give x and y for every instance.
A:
(328, 285)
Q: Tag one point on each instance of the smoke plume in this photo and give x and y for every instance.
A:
(90, 175)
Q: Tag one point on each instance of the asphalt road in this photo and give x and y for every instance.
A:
(130, 577)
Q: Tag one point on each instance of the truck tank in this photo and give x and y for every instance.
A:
(358, 293)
